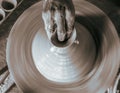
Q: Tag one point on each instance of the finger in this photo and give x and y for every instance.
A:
(48, 17)
(70, 17)
(48, 22)
(60, 22)
(70, 20)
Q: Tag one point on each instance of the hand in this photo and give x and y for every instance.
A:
(59, 17)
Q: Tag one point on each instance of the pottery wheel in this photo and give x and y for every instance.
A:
(88, 63)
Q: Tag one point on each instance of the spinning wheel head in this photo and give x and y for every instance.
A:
(88, 64)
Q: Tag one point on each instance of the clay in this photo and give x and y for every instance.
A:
(39, 66)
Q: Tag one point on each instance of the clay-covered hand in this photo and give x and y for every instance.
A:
(58, 17)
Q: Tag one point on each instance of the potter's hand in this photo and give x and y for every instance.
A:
(58, 17)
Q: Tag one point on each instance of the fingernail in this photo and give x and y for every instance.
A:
(61, 37)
